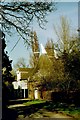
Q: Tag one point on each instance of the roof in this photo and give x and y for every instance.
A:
(25, 69)
(25, 72)
(24, 76)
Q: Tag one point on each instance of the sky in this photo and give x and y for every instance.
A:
(68, 9)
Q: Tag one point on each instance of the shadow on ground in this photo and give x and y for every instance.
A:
(72, 109)
(13, 113)
(56, 106)
(9, 114)
(26, 111)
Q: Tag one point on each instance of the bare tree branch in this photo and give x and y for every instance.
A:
(19, 15)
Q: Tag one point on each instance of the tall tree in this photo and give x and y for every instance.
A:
(72, 68)
(49, 73)
(19, 15)
(49, 70)
(7, 77)
(35, 50)
(50, 48)
(65, 41)
(69, 47)
(6, 63)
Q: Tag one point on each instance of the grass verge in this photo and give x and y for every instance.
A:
(33, 102)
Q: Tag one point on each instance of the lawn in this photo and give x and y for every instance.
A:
(73, 112)
(33, 102)
(68, 109)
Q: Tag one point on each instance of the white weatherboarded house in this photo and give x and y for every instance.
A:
(23, 75)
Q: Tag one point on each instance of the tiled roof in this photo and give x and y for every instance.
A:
(24, 75)
(26, 72)
(25, 69)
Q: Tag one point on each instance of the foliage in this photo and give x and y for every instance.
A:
(50, 48)
(72, 67)
(49, 72)
(42, 69)
(13, 72)
(35, 50)
(7, 77)
(66, 40)
(6, 63)
(68, 48)
(62, 72)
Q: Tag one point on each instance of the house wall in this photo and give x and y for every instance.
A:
(24, 84)
(20, 89)
(31, 92)
(18, 75)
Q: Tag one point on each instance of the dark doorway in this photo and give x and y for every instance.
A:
(26, 93)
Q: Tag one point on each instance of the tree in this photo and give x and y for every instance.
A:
(42, 70)
(35, 50)
(49, 71)
(50, 48)
(66, 40)
(7, 77)
(19, 15)
(6, 63)
(13, 72)
(72, 67)
(69, 47)
(21, 63)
